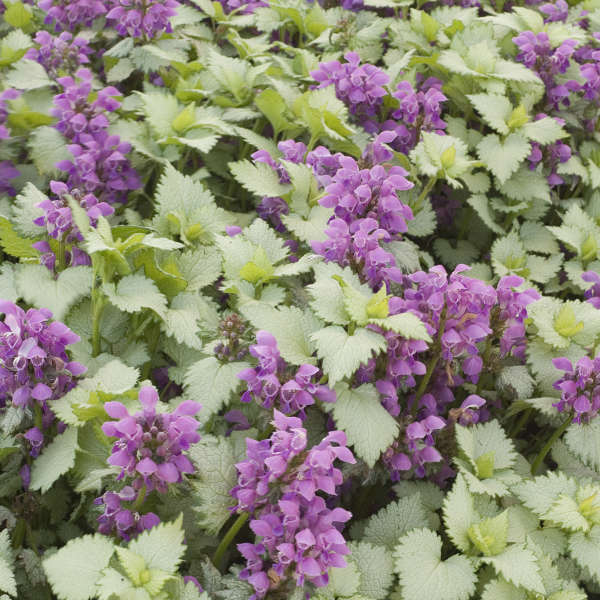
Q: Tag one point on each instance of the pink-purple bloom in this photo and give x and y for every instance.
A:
(120, 516)
(358, 86)
(59, 53)
(279, 483)
(151, 445)
(264, 382)
(34, 365)
(68, 15)
(579, 387)
(141, 18)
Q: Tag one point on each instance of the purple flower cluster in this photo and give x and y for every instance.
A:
(591, 73)
(100, 166)
(59, 53)
(7, 169)
(557, 12)
(141, 18)
(99, 173)
(278, 483)
(367, 212)
(77, 116)
(34, 365)
(537, 54)
(457, 304)
(360, 87)
(58, 221)
(68, 15)
(550, 155)
(151, 445)
(150, 452)
(509, 316)
(9, 94)
(7, 173)
(592, 294)
(242, 6)
(264, 381)
(417, 112)
(125, 522)
(231, 329)
(579, 387)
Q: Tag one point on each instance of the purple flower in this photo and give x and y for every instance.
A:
(559, 11)
(71, 14)
(35, 437)
(536, 53)
(124, 521)
(77, 116)
(358, 86)
(60, 52)
(592, 294)
(34, 365)
(579, 387)
(141, 18)
(263, 382)
(150, 447)
(9, 94)
(7, 172)
(279, 482)
(591, 73)
(100, 166)
(242, 6)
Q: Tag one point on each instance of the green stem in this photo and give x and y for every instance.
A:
(139, 500)
(521, 422)
(62, 264)
(432, 364)
(229, 536)
(485, 358)
(428, 187)
(542, 454)
(97, 308)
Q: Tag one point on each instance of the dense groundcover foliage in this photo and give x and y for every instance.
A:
(299, 300)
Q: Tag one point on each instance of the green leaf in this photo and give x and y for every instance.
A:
(406, 324)
(38, 287)
(585, 549)
(489, 536)
(291, 326)
(215, 476)
(459, 514)
(539, 494)
(47, 146)
(75, 569)
(484, 438)
(8, 583)
(213, 383)
(162, 546)
(494, 109)
(56, 459)
(343, 353)
(565, 512)
(544, 131)
(258, 178)
(582, 440)
(518, 565)
(423, 574)
(13, 244)
(390, 523)
(273, 106)
(135, 292)
(503, 157)
(369, 427)
(376, 569)
(27, 75)
(17, 14)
